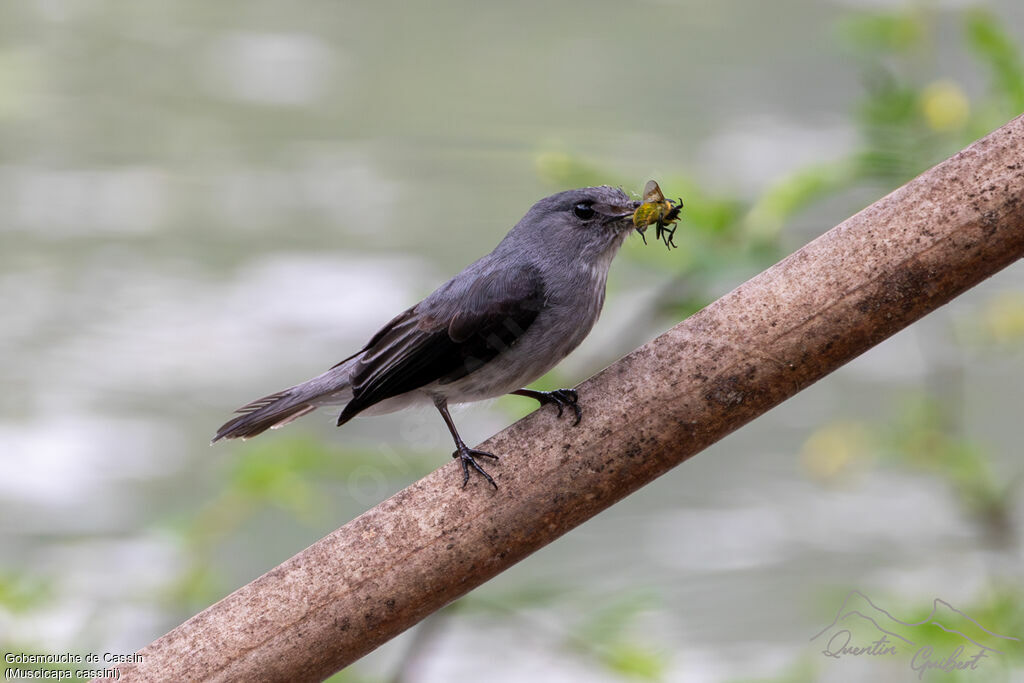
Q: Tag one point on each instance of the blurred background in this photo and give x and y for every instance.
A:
(204, 202)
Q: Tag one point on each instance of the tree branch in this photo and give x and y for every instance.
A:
(776, 334)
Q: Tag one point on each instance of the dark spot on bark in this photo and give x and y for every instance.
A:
(726, 391)
(689, 427)
(900, 291)
(990, 221)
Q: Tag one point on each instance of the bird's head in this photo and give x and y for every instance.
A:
(587, 225)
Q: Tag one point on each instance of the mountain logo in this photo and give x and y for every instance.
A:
(945, 640)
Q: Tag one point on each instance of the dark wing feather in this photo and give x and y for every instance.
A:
(445, 342)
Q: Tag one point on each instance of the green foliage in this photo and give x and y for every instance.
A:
(1000, 54)
(884, 33)
(20, 592)
(998, 326)
(918, 438)
(838, 449)
(606, 634)
(921, 438)
(897, 139)
(280, 476)
(635, 660)
(353, 675)
(1000, 611)
(287, 474)
(787, 197)
(911, 119)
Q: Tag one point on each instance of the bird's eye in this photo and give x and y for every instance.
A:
(583, 211)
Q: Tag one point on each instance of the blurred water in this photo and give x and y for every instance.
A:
(201, 203)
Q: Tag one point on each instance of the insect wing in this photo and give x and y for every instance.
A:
(652, 193)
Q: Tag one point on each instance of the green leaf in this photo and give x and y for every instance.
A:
(635, 661)
(20, 592)
(884, 32)
(795, 192)
(1000, 53)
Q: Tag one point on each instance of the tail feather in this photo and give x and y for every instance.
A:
(277, 410)
(264, 413)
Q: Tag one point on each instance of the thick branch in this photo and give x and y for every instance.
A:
(846, 291)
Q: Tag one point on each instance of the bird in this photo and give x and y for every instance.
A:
(494, 328)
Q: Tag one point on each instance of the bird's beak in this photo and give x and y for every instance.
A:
(626, 211)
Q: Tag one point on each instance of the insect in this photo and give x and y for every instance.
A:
(663, 213)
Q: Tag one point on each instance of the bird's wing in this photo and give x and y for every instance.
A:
(446, 340)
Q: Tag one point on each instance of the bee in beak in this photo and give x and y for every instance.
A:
(655, 209)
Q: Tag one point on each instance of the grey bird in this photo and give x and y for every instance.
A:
(498, 325)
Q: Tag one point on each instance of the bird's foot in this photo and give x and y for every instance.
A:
(560, 397)
(467, 456)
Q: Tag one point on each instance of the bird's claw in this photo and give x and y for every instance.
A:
(562, 398)
(466, 457)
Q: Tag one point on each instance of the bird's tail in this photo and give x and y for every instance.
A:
(262, 414)
(277, 410)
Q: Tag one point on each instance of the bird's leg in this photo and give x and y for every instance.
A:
(560, 397)
(462, 451)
